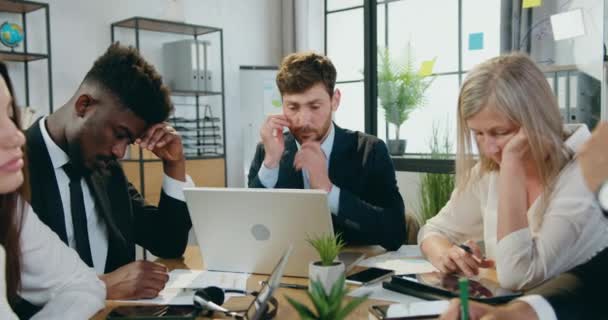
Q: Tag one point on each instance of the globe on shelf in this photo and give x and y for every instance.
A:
(11, 34)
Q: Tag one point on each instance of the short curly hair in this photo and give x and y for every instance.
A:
(300, 71)
(136, 83)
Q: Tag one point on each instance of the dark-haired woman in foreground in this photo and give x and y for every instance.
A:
(34, 263)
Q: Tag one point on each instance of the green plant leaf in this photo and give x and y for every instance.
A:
(302, 310)
(350, 307)
(327, 246)
(400, 86)
(318, 297)
(327, 307)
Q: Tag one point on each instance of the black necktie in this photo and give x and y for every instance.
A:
(79, 215)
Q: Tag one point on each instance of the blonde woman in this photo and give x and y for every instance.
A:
(525, 198)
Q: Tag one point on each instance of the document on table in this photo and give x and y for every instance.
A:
(179, 290)
(406, 260)
(418, 309)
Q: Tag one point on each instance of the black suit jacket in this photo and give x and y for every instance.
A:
(579, 293)
(371, 209)
(162, 230)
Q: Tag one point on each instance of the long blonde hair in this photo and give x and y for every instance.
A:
(517, 88)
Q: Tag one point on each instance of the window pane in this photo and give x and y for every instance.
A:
(381, 25)
(439, 111)
(350, 114)
(341, 4)
(480, 16)
(431, 32)
(345, 43)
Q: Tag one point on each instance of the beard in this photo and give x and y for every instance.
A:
(307, 133)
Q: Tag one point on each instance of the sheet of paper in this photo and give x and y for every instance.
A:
(179, 290)
(402, 266)
(476, 41)
(408, 251)
(406, 260)
(376, 292)
(531, 3)
(568, 25)
(423, 308)
(183, 278)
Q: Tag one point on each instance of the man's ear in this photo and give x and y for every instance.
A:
(83, 104)
(335, 100)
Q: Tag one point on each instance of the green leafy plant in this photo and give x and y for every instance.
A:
(327, 306)
(436, 188)
(328, 247)
(400, 87)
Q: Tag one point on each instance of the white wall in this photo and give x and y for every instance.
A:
(81, 32)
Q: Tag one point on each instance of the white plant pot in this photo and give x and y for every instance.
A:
(327, 275)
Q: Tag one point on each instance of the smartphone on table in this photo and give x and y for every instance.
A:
(369, 276)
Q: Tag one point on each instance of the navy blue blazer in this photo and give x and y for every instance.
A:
(371, 210)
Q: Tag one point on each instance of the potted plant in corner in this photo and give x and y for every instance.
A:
(327, 306)
(401, 90)
(327, 271)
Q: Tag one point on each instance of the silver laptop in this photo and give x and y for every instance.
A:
(247, 230)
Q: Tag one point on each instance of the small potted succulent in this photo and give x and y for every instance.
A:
(327, 306)
(328, 270)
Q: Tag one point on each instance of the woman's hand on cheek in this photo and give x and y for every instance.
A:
(517, 148)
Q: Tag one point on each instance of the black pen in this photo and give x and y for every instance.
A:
(468, 250)
(465, 248)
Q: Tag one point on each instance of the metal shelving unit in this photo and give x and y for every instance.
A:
(139, 24)
(23, 8)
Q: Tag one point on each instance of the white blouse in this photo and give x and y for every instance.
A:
(53, 276)
(568, 233)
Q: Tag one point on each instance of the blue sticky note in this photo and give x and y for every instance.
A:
(476, 41)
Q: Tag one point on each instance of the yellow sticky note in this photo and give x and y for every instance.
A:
(427, 68)
(531, 3)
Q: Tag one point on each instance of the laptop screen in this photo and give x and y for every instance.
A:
(258, 306)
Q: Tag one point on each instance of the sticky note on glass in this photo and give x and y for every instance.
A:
(476, 41)
(568, 25)
(426, 69)
(531, 3)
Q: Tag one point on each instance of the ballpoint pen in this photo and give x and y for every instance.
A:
(289, 285)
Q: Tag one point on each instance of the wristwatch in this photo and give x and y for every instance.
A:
(602, 197)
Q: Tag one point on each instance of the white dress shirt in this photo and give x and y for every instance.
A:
(96, 226)
(269, 177)
(53, 276)
(568, 233)
(5, 309)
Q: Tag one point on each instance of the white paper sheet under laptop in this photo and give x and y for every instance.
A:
(247, 230)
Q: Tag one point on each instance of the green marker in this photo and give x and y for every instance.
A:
(463, 285)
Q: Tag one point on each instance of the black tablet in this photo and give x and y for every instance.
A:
(435, 285)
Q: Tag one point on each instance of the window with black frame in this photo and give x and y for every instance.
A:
(438, 42)
(344, 46)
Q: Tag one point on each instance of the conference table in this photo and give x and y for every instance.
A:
(193, 260)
